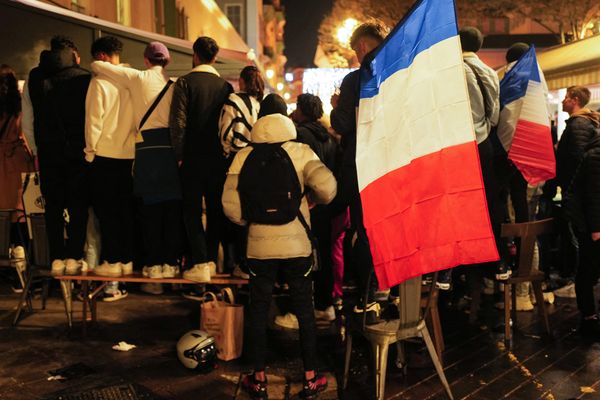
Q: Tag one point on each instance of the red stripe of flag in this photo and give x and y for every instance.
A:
(532, 151)
(414, 215)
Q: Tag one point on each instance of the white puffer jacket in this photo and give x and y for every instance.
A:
(289, 240)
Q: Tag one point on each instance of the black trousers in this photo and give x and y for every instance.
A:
(162, 232)
(587, 274)
(64, 185)
(112, 200)
(263, 274)
(203, 244)
(320, 218)
(363, 260)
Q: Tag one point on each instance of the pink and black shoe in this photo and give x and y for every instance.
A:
(257, 390)
(313, 387)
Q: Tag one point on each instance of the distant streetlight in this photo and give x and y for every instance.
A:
(270, 74)
(344, 32)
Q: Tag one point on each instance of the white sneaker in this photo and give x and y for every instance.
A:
(198, 273)
(566, 291)
(127, 268)
(548, 298)
(288, 321)
(109, 269)
(326, 315)
(238, 273)
(116, 295)
(169, 271)
(58, 267)
(212, 267)
(151, 288)
(524, 303)
(155, 272)
(18, 257)
(145, 272)
(72, 266)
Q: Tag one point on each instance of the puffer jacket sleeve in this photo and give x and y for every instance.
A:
(591, 200)
(319, 179)
(232, 206)
(571, 148)
(178, 117)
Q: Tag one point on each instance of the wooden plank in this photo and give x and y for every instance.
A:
(468, 370)
(219, 279)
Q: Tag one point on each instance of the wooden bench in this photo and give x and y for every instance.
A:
(89, 298)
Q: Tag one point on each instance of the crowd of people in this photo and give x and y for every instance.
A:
(191, 166)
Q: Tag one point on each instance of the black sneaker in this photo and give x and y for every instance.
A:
(503, 272)
(257, 390)
(313, 387)
(444, 280)
(373, 313)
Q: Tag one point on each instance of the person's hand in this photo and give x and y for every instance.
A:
(595, 236)
(334, 100)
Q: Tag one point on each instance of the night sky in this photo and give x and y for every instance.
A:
(303, 18)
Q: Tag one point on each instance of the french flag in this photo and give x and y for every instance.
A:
(418, 166)
(524, 126)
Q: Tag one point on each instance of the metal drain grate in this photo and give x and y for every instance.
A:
(116, 392)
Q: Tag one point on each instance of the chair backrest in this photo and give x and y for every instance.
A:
(5, 217)
(528, 233)
(409, 307)
(41, 256)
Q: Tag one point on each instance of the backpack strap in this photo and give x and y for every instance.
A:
(153, 105)
(482, 88)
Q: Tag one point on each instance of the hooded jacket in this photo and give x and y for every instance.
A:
(586, 189)
(315, 135)
(289, 240)
(581, 128)
(59, 112)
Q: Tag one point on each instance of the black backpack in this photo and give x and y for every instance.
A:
(269, 188)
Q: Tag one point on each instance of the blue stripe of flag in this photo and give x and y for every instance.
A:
(514, 84)
(427, 23)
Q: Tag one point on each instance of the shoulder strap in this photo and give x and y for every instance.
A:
(156, 101)
(482, 88)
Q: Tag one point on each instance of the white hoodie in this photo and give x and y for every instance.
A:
(109, 123)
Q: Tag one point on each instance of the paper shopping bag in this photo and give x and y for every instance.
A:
(224, 320)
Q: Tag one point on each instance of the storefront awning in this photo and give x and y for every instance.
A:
(576, 63)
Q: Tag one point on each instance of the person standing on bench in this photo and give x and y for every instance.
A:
(110, 147)
(198, 98)
(54, 104)
(155, 176)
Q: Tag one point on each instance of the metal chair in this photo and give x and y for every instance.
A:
(410, 324)
(528, 232)
(38, 264)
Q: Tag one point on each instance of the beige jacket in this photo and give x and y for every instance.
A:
(289, 240)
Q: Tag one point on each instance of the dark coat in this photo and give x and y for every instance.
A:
(585, 210)
(195, 109)
(571, 147)
(315, 135)
(60, 114)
